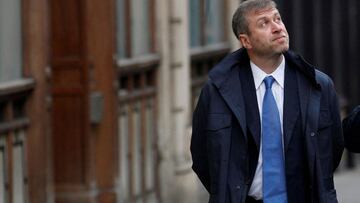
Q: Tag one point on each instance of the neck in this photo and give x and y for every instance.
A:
(267, 64)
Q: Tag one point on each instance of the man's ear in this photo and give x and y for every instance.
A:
(244, 40)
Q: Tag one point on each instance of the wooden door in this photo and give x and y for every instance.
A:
(69, 89)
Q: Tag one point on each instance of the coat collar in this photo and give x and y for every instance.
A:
(225, 76)
(222, 71)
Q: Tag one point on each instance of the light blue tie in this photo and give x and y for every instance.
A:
(274, 182)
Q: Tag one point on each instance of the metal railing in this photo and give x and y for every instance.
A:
(138, 155)
(13, 128)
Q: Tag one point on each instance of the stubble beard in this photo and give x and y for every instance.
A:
(281, 48)
(270, 49)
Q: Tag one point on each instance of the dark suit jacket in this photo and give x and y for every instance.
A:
(226, 131)
(351, 127)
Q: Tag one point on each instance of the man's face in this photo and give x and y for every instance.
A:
(267, 34)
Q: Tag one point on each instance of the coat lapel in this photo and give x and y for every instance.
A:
(291, 104)
(251, 104)
(225, 76)
(231, 91)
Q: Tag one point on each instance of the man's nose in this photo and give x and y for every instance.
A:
(276, 27)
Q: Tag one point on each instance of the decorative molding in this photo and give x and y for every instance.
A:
(16, 87)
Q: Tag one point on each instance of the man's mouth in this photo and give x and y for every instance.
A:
(278, 38)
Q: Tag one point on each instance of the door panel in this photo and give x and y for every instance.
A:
(69, 94)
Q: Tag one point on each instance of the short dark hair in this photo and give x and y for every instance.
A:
(240, 24)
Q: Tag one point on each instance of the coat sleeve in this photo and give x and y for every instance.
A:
(337, 135)
(198, 146)
(351, 128)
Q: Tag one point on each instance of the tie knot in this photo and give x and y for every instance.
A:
(269, 80)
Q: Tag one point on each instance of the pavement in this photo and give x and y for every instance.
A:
(347, 183)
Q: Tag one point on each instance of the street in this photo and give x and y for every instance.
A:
(347, 183)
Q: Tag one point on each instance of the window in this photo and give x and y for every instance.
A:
(135, 30)
(207, 40)
(137, 69)
(10, 40)
(14, 92)
(207, 20)
(195, 23)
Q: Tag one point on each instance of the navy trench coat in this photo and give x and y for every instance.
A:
(220, 124)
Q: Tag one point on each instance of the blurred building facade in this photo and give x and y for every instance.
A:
(96, 96)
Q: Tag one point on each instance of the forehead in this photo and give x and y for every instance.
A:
(261, 13)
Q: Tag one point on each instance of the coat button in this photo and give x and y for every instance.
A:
(312, 134)
(238, 187)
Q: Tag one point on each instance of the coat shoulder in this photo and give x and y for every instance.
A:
(323, 79)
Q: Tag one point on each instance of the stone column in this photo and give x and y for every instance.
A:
(166, 168)
(180, 78)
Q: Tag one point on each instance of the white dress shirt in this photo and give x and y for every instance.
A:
(278, 92)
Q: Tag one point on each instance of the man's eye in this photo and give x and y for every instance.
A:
(263, 24)
(278, 20)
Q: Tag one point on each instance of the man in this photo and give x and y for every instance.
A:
(266, 127)
(351, 128)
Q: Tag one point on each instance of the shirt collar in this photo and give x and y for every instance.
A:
(259, 74)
